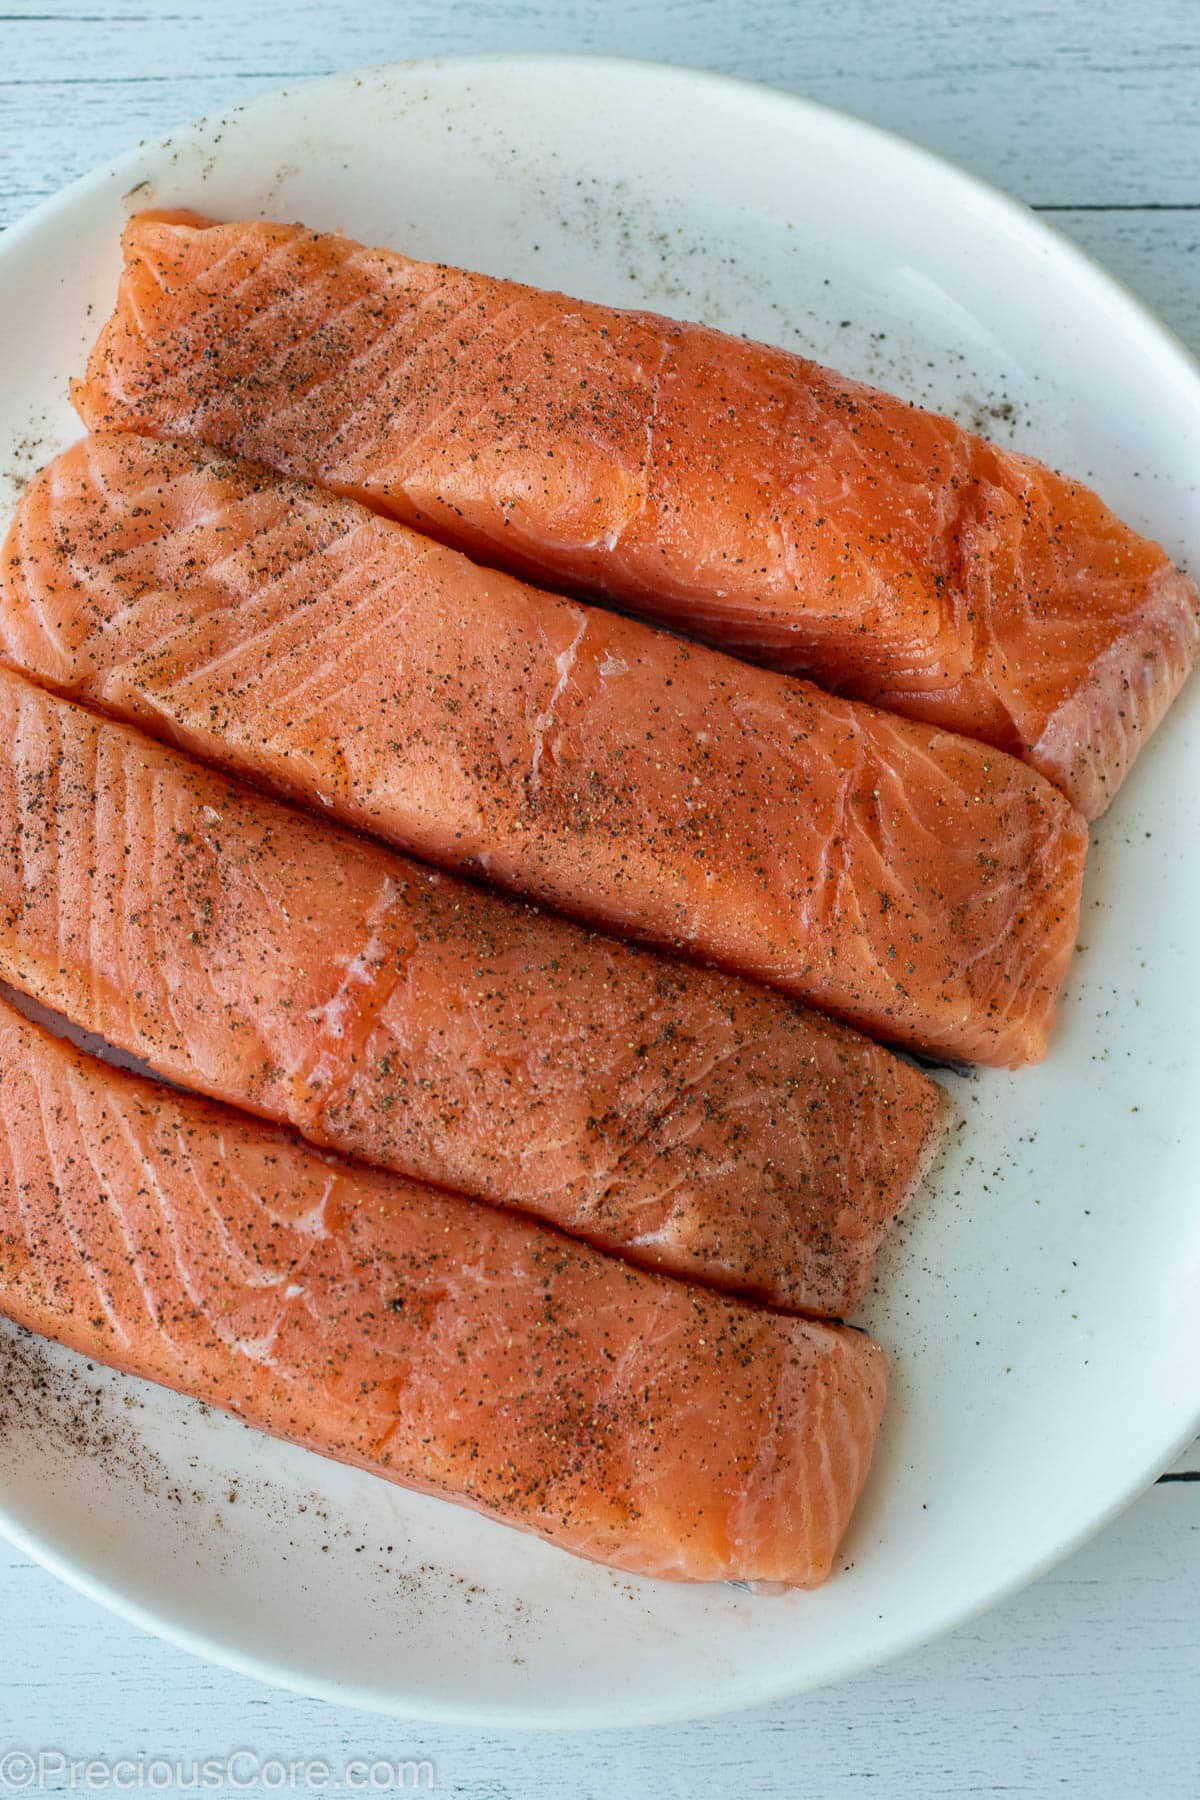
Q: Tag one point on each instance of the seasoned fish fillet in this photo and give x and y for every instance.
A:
(917, 884)
(748, 496)
(267, 959)
(447, 1346)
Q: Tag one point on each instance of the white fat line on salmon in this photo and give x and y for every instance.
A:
(361, 969)
(564, 662)
(358, 972)
(651, 426)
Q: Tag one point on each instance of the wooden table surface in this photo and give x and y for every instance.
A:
(1088, 1684)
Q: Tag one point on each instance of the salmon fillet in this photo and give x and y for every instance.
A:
(469, 1353)
(918, 884)
(238, 947)
(746, 495)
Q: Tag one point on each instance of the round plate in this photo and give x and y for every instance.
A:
(1040, 1304)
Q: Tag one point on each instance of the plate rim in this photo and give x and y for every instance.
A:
(196, 1643)
(1159, 340)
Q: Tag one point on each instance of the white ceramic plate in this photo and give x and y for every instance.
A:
(1041, 1305)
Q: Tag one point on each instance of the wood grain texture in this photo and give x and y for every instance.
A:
(1084, 103)
(1085, 1685)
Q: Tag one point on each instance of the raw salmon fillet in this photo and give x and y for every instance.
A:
(450, 1347)
(272, 961)
(918, 884)
(746, 495)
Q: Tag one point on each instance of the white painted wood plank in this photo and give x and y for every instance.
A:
(1157, 254)
(1079, 1687)
(1093, 101)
